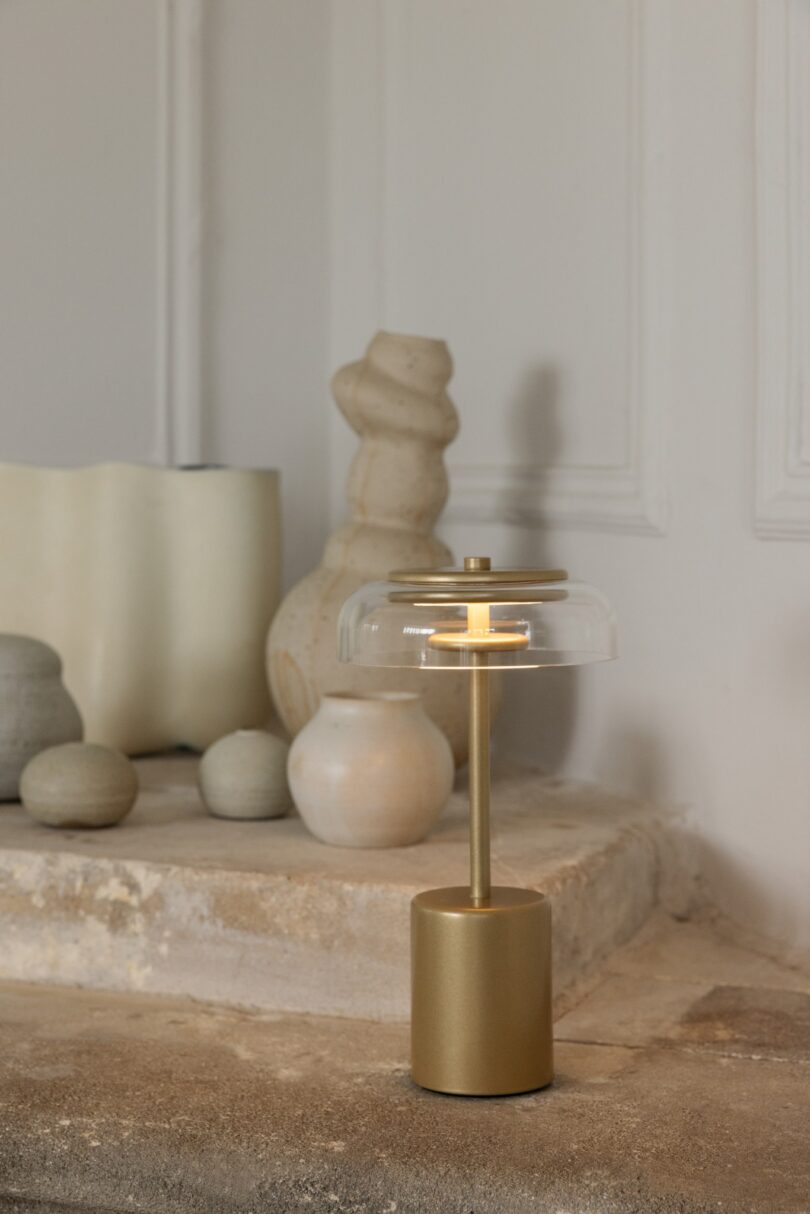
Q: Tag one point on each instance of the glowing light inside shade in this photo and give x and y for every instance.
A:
(478, 617)
(479, 634)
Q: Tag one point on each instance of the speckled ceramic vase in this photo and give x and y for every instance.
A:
(244, 775)
(370, 770)
(396, 400)
(36, 710)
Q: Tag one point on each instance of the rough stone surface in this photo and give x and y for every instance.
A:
(260, 914)
(117, 1103)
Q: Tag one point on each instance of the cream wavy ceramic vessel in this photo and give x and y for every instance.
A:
(156, 586)
(396, 399)
(36, 711)
(370, 770)
(79, 785)
(244, 775)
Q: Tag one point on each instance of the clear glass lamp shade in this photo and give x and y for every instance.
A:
(506, 624)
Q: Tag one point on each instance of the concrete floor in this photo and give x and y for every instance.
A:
(683, 1084)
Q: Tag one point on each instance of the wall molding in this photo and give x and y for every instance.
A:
(366, 88)
(628, 497)
(782, 501)
(178, 406)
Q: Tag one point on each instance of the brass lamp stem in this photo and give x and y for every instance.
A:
(479, 778)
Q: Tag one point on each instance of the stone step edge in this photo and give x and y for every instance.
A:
(299, 944)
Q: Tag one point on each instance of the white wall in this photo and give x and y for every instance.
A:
(163, 239)
(266, 261)
(567, 193)
(79, 228)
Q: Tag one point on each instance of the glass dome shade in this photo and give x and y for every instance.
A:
(446, 619)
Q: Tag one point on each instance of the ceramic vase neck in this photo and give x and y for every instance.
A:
(346, 704)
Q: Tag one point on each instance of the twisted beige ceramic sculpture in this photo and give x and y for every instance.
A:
(395, 399)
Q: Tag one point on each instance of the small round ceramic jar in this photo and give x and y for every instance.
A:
(244, 775)
(79, 785)
(370, 770)
(36, 710)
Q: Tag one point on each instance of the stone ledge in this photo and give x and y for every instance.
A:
(259, 914)
(697, 1101)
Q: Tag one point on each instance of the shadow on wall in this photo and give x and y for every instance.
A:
(537, 718)
(692, 866)
(633, 757)
(748, 899)
(533, 416)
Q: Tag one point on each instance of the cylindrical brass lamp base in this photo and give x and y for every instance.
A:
(481, 992)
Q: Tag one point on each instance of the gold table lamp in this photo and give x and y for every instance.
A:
(481, 955)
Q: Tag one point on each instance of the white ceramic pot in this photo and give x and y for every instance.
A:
(156, 586)
(35, 709)
(370, 770)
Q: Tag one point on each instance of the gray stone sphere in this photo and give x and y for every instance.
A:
(244, 775)
(79, 785)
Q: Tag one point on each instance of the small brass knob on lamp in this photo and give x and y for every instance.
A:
(481, 955)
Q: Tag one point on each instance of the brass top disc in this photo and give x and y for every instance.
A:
(476, 577)
(494, 593)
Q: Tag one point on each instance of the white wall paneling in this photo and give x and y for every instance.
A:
(628, 494)
(418, 173)
(100, 235)
(163, 239)
(783, 247)
(266, 264)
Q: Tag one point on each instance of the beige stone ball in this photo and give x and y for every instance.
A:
(78, 785)
(244, 775)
